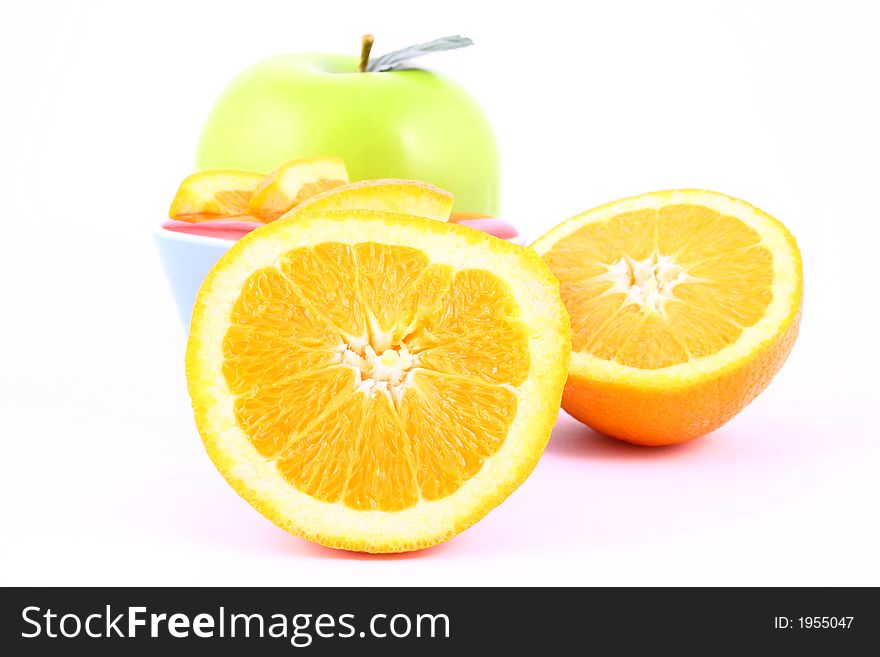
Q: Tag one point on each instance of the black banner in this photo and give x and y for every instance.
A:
(410, 621)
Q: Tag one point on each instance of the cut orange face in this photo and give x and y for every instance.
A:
(294, 182)
(213, 195)
(373, 381)
(683, 304)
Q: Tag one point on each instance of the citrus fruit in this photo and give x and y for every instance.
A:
(213, 195)
(373, 381)
(293, 182)
(412, 197)
(684, 305)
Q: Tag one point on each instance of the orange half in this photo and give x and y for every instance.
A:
(684, 305)
(374, 381)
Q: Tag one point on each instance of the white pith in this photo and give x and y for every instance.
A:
(376, 372)
(647, 283)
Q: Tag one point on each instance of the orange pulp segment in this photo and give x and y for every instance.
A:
(657, 287)
(435, 351)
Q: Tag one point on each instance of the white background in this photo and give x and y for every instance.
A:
(104, 479)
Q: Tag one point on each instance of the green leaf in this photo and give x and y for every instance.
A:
(399, 59)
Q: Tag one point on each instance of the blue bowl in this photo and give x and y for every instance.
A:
(187, 259)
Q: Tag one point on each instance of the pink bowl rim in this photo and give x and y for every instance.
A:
(175, 235)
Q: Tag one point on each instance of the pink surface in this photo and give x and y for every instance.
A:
(752, 503)
(767, 499)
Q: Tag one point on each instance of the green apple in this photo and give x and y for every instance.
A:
(409, 123)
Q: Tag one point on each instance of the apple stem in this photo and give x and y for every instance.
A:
(366, 47)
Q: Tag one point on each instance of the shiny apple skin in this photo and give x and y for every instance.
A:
(398, 124)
